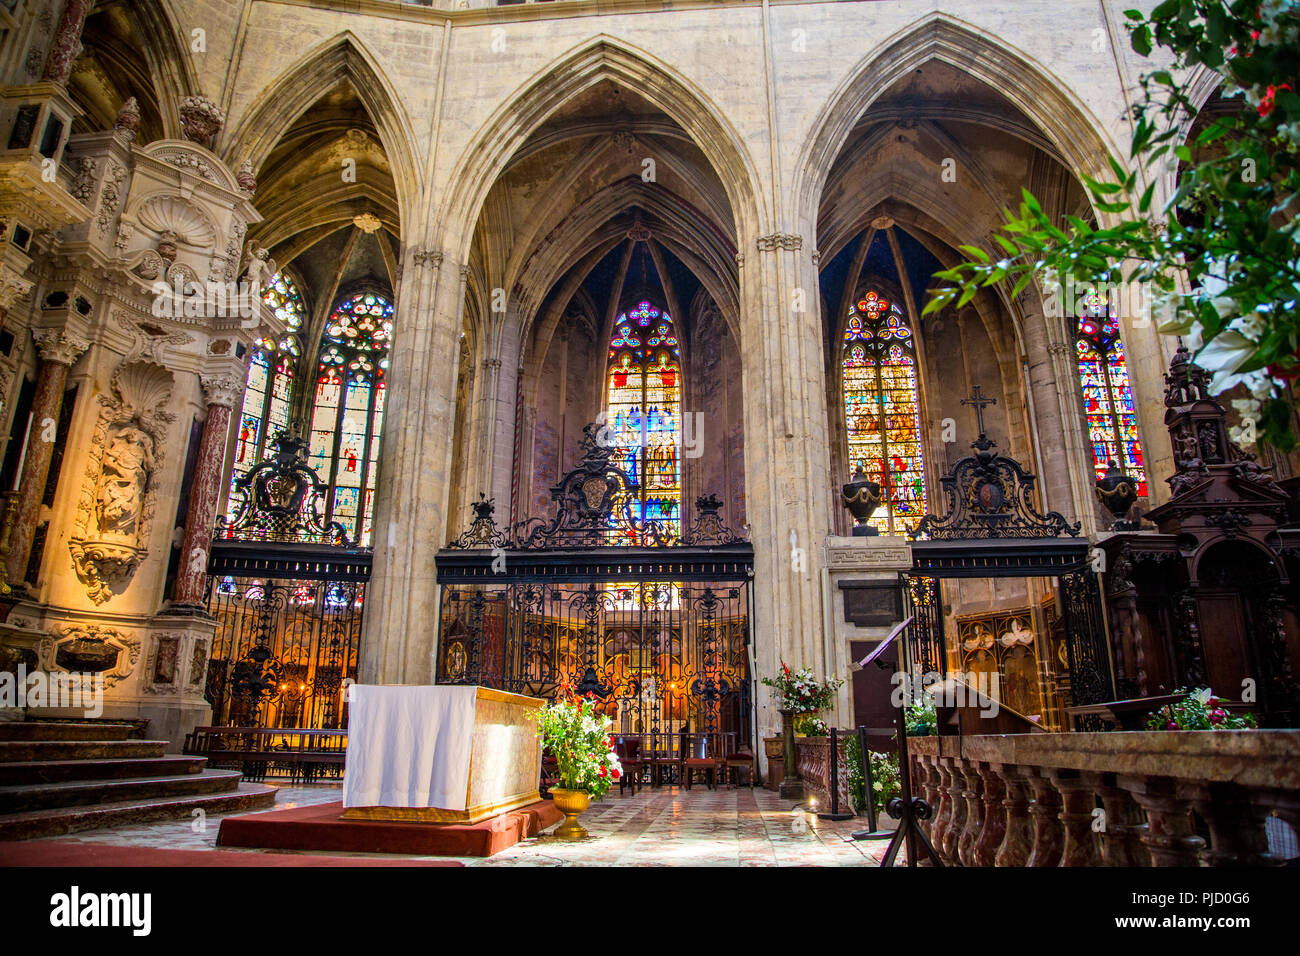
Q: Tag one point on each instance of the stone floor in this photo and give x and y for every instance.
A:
(656, 827)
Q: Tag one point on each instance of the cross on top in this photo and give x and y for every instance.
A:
(979, 400)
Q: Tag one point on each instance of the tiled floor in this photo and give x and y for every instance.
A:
(657, 827)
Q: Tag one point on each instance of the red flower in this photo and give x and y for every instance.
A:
(615, 774)
(1266, 102)
(602, 770)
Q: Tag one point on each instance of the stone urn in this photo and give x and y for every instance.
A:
(1117, 492)
(571, 803)
(862, 497)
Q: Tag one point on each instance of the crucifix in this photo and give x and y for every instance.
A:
(979, 401)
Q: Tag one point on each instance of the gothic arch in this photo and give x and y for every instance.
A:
(278, 106)
(1074, 132)
(600, 58)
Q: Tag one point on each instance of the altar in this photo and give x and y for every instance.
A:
(439, 754)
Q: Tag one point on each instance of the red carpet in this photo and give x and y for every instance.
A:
(71, 853)
(322, 827)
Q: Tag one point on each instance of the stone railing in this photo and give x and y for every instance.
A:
(812, 758)
(1160, 798)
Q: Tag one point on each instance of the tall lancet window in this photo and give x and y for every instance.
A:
(1107, 396)
(348, 413)
(882, 410)
(644, 398)
(268, 394)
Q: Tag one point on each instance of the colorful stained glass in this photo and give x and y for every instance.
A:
(882, 410)
(644, 407)
(347, 416)
(1107, 394)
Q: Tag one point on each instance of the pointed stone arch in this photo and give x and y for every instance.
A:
(1076, 134)
(600, 58)
(280, 104)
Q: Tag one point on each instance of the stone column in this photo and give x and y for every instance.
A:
(787, 465)
(1169, 836)
(1048, 836)
(1121, 840)
(205, 490)
(398, 638)
(58, 351)
(1078, 800)
(67, 35)
(1018, 840)
(994, 832)
(974, 794)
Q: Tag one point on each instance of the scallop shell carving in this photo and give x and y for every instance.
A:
(143, 388)
(173, 214)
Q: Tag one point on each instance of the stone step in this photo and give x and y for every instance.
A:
(55, 730)
(63, 820)
(25, 798)
(37, 750)
(55, 771)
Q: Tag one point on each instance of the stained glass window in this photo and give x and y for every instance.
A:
(268, 394)
(882, 412)
(1107, 395)
(347, 416)
(644, 418)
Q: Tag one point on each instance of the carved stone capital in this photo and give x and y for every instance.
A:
(220, 389)
(426, 258)
(789, 241)
(58, 345)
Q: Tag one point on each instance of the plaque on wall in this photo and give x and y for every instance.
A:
(872, 603)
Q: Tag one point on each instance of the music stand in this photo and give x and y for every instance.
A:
(906, 809)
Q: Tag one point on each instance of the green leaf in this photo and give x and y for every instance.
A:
(975, 252)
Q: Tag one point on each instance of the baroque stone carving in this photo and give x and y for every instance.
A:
(127, 123)
(57, 345)
(148, 342)
(115, 510)
(91, 648)
(247, 181)
(110, 195)
(220, 391)
(201, 119)
(426, 257)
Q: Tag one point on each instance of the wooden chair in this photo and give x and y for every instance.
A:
(660, 757)
(699, 752)
(629, 755)
(737, 758)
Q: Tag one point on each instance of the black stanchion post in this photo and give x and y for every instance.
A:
(835, 813)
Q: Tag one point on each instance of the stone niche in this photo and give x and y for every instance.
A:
(863, 601)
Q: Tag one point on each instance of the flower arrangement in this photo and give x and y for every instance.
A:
(1199, 710)
(920, 718)
(811, 726)
(885, 781)
(801, 692)
(581, 743)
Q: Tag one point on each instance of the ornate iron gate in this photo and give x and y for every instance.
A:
(659, 633)
(992, 529)
(288, 592)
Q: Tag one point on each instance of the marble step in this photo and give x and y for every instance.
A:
(36, 750)
(63, 820)
(110, 768)
(79, 793)
(54, 730)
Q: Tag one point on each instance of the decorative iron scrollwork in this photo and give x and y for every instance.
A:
(989, 497)
(588, 512)
(279, 500)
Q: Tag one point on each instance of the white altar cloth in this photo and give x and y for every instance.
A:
(409, 746)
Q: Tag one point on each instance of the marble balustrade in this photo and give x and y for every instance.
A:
(1113, 799)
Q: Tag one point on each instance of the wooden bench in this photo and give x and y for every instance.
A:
(303, 755)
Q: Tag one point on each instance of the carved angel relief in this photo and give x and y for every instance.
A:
(115, 510)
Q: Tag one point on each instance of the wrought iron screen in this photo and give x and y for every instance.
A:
(991, 529)
(287, 591)
(659, 634)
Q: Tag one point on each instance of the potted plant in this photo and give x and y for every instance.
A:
(579, 739)
(801, 692)
(1199, 710)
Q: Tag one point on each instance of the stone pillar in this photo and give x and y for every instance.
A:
(974, 794)
(67, 36)
(398, 638)
(787, 466)
(1121, 840)
(1078, 800)
(1048, 837)
(58, 351)
(1018, 840)
(1169, 837)
(205, 490)
(995, 817)
(943, 817)
(957, 818)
